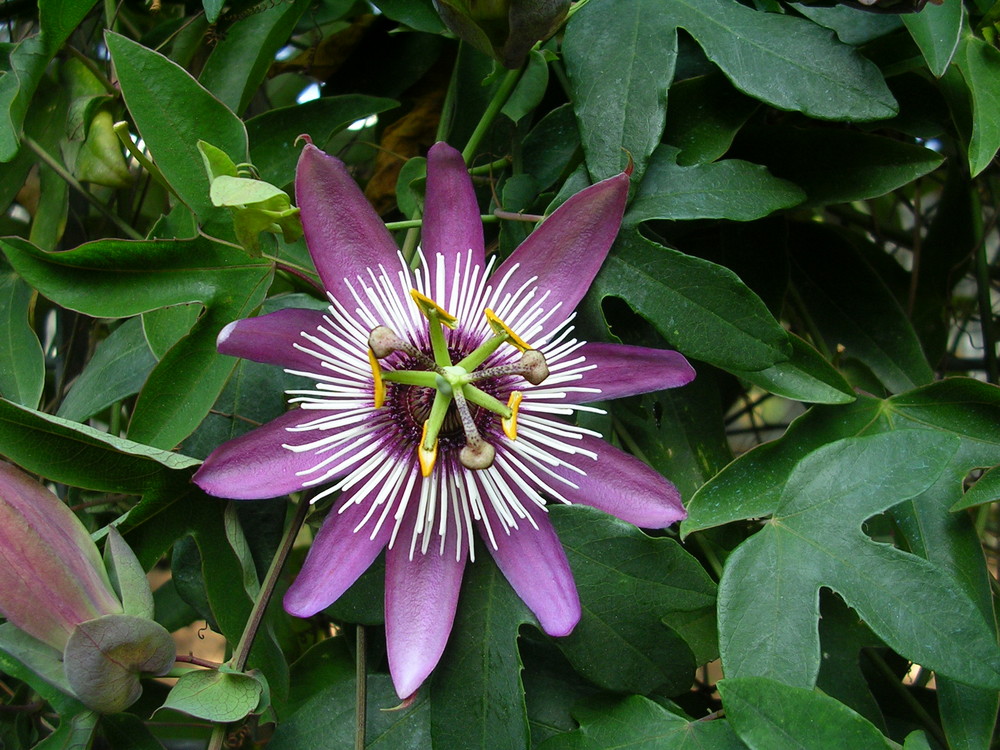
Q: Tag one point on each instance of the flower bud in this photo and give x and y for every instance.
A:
(503, 29)
(51, 574)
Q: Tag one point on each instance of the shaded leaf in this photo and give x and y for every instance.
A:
(767, 714)
(701, 308)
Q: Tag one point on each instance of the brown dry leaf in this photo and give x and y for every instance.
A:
(411, 135)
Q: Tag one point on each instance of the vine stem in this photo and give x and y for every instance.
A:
(496, 103)
(242, 650)
(70, 180)
(361, 689)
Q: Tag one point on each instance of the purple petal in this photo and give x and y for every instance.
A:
(255, 466)
(623, 486)
(566, 251)
(534, 563)
(451, 212)
(344, 234)
(624, 370)
(421, 595)
(337, 557)
(270, 338)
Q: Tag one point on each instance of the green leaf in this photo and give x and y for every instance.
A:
(979, 63)
(127, 576)
(273, 133)
(105, 657)
(836, 165)
(767, 714)
(327, 719)
(637, 723)
(82, 456)
(39, 664)
(22, 367)
(936, 30)
(241, 58)
(75, 731)
(869, 324)
(730, 189)
(114, 278)
(479, 677)
(630, 586)
(549, 148)
(620, 61)
(805, 377)
(148, 79)
(214, 695)
(705, 114)
(530, 88)
(27, 63)
(699, 307)
(771, 581)
(985, 490)
(119, 367)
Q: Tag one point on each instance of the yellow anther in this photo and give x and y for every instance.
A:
(427, 306)
(499, 326)
(427, 456)
(509, 424)
(377, 380)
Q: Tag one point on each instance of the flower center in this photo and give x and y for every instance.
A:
(442, 396)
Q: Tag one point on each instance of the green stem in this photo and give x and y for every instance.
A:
(70, 180)
(912, 703)
(361, 689)
(242, 650)
(986, 313)
(493, 166)
(496, 104)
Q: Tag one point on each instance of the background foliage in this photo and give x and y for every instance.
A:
(813, 221)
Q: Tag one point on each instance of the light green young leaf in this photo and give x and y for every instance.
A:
(215, 696)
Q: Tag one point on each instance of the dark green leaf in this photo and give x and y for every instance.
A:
(549, 148)
(117, 370)
(479, 677)
(730, 189)
(75, 731)
(767, 714)
(22, 367)
(985, 490)
(114, 278)
(620, 60)
(630, 586)
(705, 114)
(530, 88)
(869, 324)
(148, 79)
(835, 165)
(699, 307)
(128, 732)
(241, 59)
(936, 31)
(805, 377)
(326, 721)
(637, 723)
(979, 63)
(912, 604)
(273, 133)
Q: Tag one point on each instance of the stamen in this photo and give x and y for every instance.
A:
(535, 368)
(509, 424)
(432, 310)
(383, 341)
(377, 379)
(499, 326)
(427, 456)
